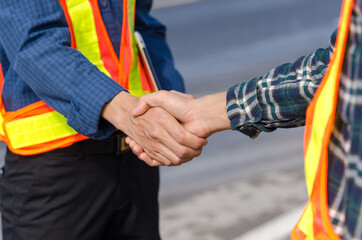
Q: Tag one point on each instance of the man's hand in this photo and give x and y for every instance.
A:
(161, 136)
(202, 116)
(182, 106)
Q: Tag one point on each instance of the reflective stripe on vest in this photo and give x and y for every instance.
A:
(89, 36)
(37, 128)
(2, 133)
(315, 222)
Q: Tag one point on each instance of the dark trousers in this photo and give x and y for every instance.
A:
(79, 193)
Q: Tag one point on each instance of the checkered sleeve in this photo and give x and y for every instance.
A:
(281, 97)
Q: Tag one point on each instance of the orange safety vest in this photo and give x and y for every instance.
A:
(315, 222)
(37, 128)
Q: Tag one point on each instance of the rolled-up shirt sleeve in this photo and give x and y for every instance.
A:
(36, 40)
(279, 98)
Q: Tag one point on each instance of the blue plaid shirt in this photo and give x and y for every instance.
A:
(280, 99)
(38, 63)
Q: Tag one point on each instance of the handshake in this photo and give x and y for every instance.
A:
(167, 128)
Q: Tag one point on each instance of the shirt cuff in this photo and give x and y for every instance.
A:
(87, 106)
(243, 109)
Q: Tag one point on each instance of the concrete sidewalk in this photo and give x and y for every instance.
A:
(231, 211)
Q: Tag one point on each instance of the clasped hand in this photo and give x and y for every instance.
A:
(200, 117)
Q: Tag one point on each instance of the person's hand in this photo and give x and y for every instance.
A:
(184, 107)
(200, 116)
(159, 134)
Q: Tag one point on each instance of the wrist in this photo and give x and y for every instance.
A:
(213, 113)
(118, 110)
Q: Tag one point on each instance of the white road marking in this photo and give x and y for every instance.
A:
(276, 229)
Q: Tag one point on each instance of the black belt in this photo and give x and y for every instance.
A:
(116, 143)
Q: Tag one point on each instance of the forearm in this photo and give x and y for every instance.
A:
(37, 44)
(211, 112)
(280, 98)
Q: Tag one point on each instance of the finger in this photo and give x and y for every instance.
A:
(183, 136)
(130, 143)
(177, 131)
(152, 136)
(166, 150)
(183, 145)
(136, 148)
(158, 139)
(174, 159)
(163, 157)
(147, 101)
(141, 108)
(128, 139)
(175, 103)
(149, 161)
(157, 150)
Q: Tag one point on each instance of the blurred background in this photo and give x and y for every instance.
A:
(238, 189)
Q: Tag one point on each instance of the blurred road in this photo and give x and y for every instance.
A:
(238, 189)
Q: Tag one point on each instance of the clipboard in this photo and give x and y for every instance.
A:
(146, 61)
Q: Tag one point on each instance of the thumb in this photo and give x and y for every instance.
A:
(140, 109)
(146, 102)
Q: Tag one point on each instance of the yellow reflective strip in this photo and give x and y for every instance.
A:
(306, 222)
(135, 83)
(81, 15)
(324, 108)
(2, 133)
(322, 113)
(138, 93)
(38, 129)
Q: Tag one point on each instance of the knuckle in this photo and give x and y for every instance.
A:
(199, 144)
(177, 162)
(158, 158)
(154, 163)
(162, 119)
(150, 163)
(181, 138)
(159, 96)
(143, 99)
(182, 152)
(162, 93)
(159, 116)
(154, 132)
(198, 152)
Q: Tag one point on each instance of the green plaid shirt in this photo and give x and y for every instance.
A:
(280, 99)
